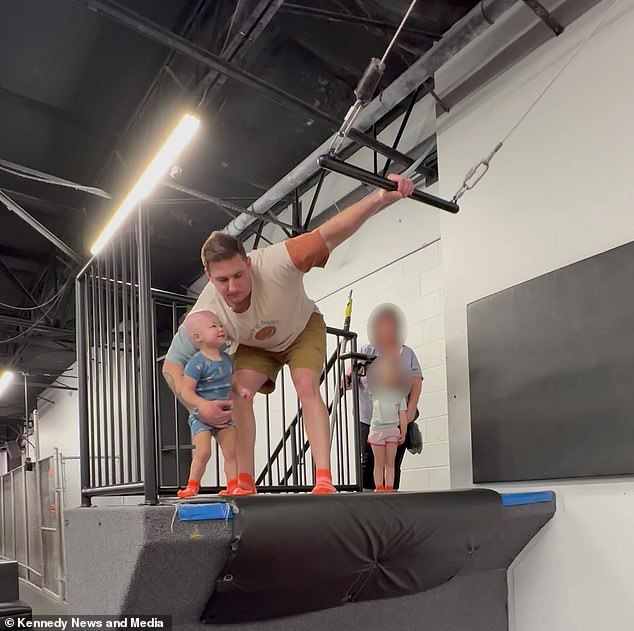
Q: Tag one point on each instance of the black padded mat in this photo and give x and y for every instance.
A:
(293, 554)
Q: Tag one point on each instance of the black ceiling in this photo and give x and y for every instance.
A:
(85, 98)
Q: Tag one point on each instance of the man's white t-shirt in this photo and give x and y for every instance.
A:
(279, 309)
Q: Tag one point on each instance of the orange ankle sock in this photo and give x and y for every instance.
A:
(323, 482)
(389, 488)
(246, 481)
(232, 485)
(379, 488)
(323, 475)
(192, 488)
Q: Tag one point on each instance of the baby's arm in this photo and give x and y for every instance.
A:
(188, 393)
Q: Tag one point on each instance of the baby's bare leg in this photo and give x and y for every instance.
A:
(201, 455)
(227, 441)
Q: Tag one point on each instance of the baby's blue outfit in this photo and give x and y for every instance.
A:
(213, 383)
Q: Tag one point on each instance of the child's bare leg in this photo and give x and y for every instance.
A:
(379, 465)
(201, 455)
(200, 458)
(390, 457)
(227, 441)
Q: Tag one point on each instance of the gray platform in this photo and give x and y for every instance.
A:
(139, 560)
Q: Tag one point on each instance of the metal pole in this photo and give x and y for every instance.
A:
(4, 530)
(177, 441)
(34, 223)
(127, 456)
(146, 336)
(355, 413)
(82, 385)
(117, 358)
(453, 41)
(59, 496)
(15, 550)
(26, 523)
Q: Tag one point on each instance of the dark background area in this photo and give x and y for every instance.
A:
(551, 364)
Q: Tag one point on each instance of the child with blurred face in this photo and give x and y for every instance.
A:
(388, 386)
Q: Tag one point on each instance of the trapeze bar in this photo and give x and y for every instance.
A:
(367, 177)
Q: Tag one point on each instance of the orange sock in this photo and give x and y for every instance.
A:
(191, 490)
(379, 488)
(232, 485)
(389, 488)
(323, 482)
(246, 481)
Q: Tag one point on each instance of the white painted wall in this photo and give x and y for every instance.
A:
(559, 191)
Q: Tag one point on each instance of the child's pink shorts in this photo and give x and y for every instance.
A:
(385, 436)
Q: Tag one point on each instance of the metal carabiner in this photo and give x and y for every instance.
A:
(475, 174)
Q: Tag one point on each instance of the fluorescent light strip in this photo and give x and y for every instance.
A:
(163, 160)
(5, 380)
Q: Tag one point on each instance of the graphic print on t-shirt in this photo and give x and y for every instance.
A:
(264, 329)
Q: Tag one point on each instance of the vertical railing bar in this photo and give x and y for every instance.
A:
(4, 530)
(15, 550)
(146, 347)
(94, 373)
(268, 441)
(217, 450)
(126, 359)
(27, 554)
(134, 343)
(101, 421)
(355, 411)
(283, 392)
(177, 441)
(339, 416)
(158, 437)
(347, 423)
(109, 425)
(117, 357)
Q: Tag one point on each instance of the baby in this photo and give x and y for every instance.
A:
(209, 377)
(387, 385)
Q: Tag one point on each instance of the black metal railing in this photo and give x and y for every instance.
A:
(115, 344)
(134, 437)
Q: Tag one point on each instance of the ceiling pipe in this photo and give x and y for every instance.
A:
(473, 24)
(43, 230)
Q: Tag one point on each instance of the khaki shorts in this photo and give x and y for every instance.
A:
(307, 351)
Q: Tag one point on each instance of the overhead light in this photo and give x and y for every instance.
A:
(5, 380)
(160, 165)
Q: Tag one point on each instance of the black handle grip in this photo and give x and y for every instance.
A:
(367, 177)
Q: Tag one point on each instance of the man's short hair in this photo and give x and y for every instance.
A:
(221, 246)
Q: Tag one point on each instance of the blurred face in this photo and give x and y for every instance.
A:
(232, 280)
(384, 332)
(208, 331)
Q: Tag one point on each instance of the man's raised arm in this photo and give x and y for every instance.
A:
(342, 226)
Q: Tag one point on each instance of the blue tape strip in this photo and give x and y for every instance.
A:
(202, 512)
(517, 499)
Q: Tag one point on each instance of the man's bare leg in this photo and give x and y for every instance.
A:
(245, 424)
(317, 423)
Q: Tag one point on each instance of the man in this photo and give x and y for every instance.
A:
(261, 302)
